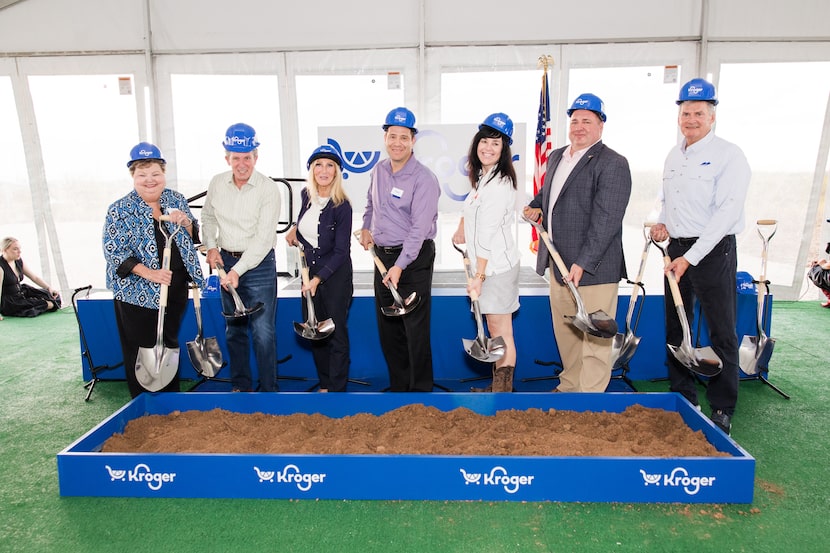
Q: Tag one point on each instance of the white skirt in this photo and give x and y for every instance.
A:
(500, 293)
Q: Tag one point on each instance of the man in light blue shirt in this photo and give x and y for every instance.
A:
(705, 182)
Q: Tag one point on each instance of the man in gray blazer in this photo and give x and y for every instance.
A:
(581, 205)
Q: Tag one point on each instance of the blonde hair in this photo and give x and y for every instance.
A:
(338, 193)
(7, 243)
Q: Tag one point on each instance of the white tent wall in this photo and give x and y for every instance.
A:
(157, 49)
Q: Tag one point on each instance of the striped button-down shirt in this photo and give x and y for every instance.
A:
(242, 220)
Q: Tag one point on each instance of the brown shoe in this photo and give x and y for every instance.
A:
(503, 378)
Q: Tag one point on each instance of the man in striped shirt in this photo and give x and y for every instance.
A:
(239, 222)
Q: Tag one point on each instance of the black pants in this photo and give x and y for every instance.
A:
(137, 329)
(405, 341)
(713, 283)
(332, 354)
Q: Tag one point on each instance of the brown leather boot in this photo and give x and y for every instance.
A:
(503, 378)
(489, 388)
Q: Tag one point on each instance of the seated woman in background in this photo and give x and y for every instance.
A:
(18, 299)
(819, 274)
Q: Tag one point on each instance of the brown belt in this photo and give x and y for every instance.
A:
(233, 254)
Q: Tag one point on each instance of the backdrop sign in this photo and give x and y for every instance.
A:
(442, 148)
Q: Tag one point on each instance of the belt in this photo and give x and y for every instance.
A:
(686, 241)
(233, 254)
(389, 249)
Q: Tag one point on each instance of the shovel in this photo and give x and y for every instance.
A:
(399, 306)
(625, 344)
(758, 347)
(703, 361)
(205, 354)
(156, 367)
(240, 311)
(311, 329)
(597, 323)
(482, 348)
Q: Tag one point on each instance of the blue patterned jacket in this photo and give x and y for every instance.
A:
(128, 233)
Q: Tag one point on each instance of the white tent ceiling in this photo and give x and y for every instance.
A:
(156, 42)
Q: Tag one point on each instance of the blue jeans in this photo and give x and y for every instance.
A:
(258, 285)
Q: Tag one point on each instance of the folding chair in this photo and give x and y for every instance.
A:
(85, 353)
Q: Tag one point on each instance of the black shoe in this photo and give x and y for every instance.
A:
(722, 420)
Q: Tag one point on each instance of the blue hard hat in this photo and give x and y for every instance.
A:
(591, 102)
(400, 117)
(327, 152)
(698, 90)
(500, 122)
(144, 150)
(240, 138)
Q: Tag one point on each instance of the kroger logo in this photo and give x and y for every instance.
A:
(290, 474)
(497, 477)
(581, 102)
(355, 161)
(145, 153)
(695, 90)
(679, 478)
(141, 473)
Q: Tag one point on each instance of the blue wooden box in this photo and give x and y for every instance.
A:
(83, 470)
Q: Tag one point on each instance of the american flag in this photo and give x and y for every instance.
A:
(543, 146)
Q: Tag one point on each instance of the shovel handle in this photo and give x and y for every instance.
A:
(675, 289)
(303, 265)
(197, 300)
(378, 263)
(473, 293)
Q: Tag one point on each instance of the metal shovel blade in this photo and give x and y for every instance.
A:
(311, 329)
(316, 332)
(754, 353)
(400, 307)
(488, 352)
(205, 356)
(204, 353)
(627, 349)
(154, 369)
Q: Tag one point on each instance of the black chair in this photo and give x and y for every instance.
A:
(85, 352)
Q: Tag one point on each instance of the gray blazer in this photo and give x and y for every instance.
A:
(586, 227)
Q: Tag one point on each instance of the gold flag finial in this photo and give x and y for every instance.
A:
(545, 62)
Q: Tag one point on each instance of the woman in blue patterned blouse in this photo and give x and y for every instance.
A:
(133, 246)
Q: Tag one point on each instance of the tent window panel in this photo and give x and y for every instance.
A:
(775, 113)
(204, 106)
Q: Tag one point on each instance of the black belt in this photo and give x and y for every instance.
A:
(233, 254)
(685, 241)
(389, 250)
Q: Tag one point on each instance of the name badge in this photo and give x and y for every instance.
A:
(397, 192)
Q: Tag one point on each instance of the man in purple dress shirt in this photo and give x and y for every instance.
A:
(400, 223)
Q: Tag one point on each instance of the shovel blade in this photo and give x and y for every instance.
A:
(154, 369)
(482, 352)
(322, 330)
(205, 356)
(748, 354)
(701, 361)
(626, 351)
(401, 309)
(755, 360)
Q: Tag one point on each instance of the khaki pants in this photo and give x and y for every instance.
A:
(586, 359)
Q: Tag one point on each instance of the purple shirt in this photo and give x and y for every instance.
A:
(402, 207)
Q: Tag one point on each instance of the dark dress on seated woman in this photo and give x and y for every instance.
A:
(22, 300)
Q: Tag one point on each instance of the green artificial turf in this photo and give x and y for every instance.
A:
(42, 411)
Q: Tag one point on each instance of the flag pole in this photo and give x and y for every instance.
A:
(543, 142)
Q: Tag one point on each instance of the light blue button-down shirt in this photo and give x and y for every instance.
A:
(703, 194)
